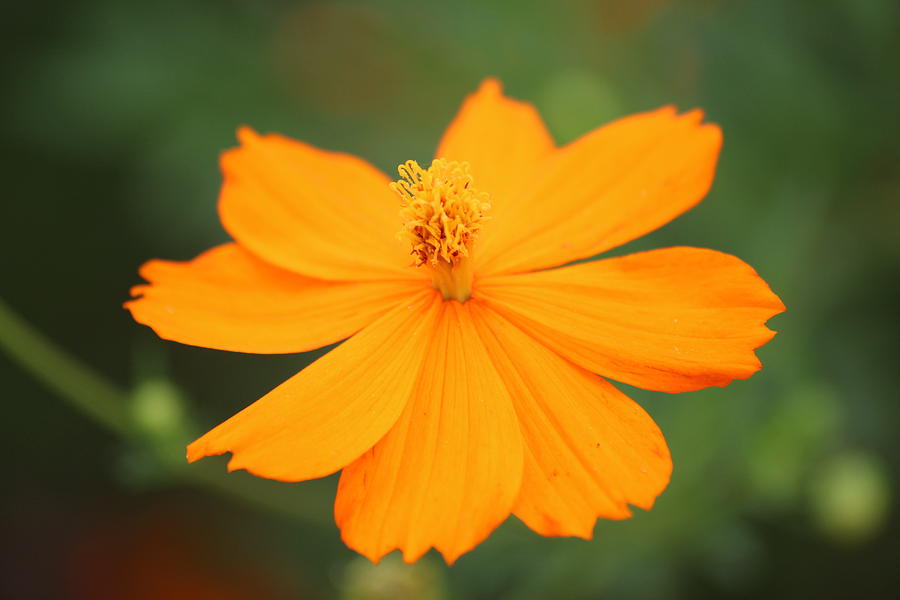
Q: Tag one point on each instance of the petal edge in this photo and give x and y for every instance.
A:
(449, 471)
(590, 450)
(335, 409)
(671, 320)
(322, 214)
(228, 299)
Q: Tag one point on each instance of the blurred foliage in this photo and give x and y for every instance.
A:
(115, 112)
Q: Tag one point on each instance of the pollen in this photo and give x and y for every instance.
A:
(441, 211)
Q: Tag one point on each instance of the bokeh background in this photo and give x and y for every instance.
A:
(113, 115)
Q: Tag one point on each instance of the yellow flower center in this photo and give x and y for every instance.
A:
(442, 213)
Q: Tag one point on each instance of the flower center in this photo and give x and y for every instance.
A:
(442, 213)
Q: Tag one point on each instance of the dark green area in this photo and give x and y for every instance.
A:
(113, 117)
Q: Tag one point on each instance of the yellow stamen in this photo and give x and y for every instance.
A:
(442, 213)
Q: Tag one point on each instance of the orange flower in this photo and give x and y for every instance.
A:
(473, 385)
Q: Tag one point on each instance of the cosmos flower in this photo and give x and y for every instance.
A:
(473, 380)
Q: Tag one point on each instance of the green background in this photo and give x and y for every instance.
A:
(113, 117)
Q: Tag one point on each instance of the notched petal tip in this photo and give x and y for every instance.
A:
(234, 464)
(230, 158)
(490, 86)
(151, 267)
(705, 132)
(408, 557)
(451, 558)
(197, 450)
(778, 305)
(693, 115)
(669, 110)
(247, 135)
(136, 292)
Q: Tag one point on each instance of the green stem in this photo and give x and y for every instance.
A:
(79, 386)
(110, 406)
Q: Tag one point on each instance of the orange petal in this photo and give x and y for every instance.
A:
(318, 213)
(228, 299)
(589, 449)
(449, 471)
(671, 320)
(334, 410)
(609, 187)
(502, 140)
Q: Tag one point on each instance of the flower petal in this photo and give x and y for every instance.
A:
(611, 186)
(589, 449)
(501, 139)
(671, 320)
(228, 299)
(318, 213)
(449, 471)
(335, 409)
